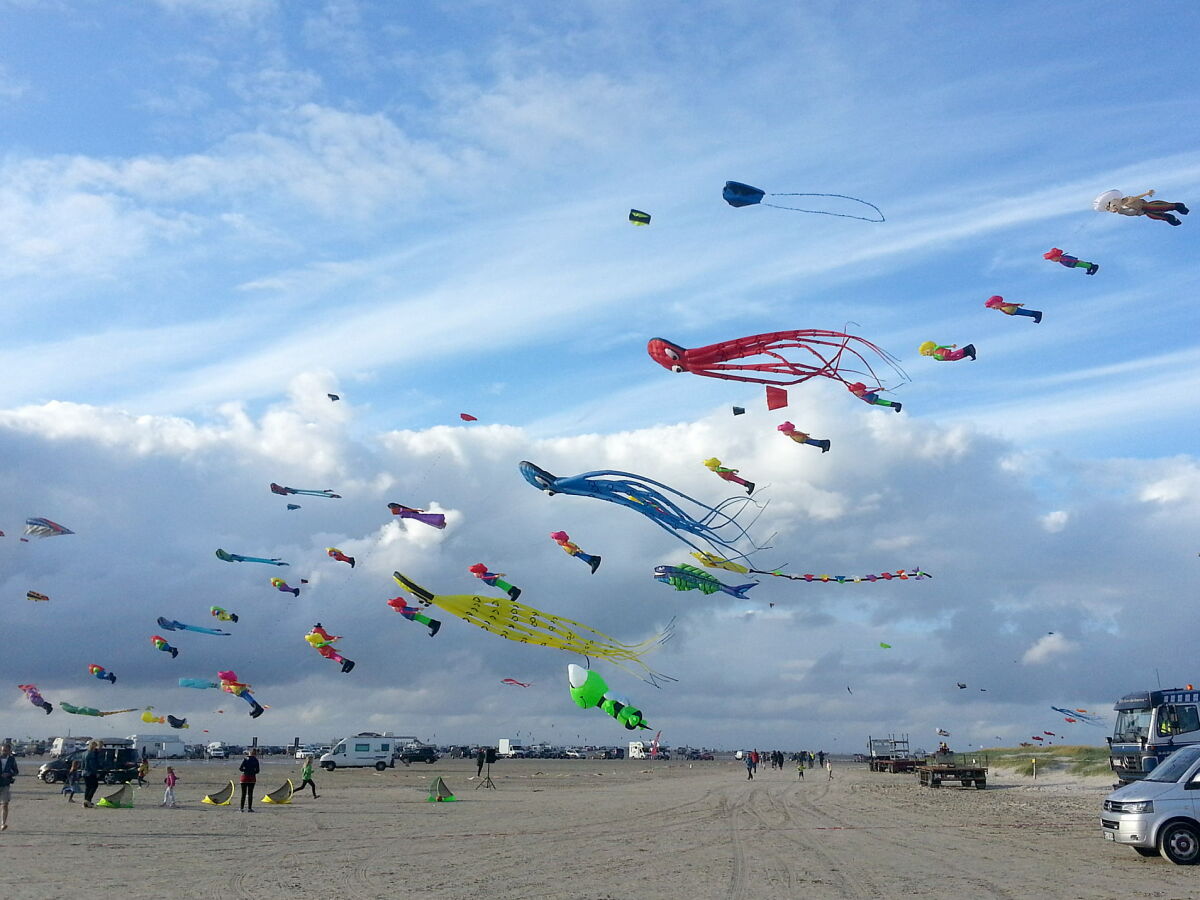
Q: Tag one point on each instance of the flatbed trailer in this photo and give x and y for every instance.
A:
(895, 766)
(936, 774)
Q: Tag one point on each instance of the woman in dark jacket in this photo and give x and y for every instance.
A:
(91, 772)
(249, 769)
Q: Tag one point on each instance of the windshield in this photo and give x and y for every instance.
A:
(1174, 766)
(1132, 724)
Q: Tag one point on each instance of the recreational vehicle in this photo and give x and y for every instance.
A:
(358, 751)
(159, 746)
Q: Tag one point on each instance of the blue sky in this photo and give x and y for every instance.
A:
(213, 211)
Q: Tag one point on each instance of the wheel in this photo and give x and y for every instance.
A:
(1179, 843)
(380, 766)
(966, 782)
(431, 761)
(980, 784)
(1146, 851)
(329, 766)
(49, 777)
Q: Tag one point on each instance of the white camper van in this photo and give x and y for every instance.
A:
(639, 750)
(358, 751)
(159, 746)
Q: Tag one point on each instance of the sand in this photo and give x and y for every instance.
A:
(585, 829)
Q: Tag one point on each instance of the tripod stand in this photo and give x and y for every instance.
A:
(487, 781)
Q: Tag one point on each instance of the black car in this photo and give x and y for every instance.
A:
(117, 766)
(410, 755)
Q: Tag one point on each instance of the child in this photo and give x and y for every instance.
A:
(859, 390)
(800, 770)
(1139, 206)
(1012, 309)
(1071, 262)
(143, 770)
(169, 794)
(564, 540)
(72, 786)
(946, 352)
(306, 776)
(801, 438)
(714, 466)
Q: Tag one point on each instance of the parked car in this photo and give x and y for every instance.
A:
(1157, 815)
(117, 766)
(415, 753)
(576, 754)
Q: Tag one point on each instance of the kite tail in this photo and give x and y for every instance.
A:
(822, 212)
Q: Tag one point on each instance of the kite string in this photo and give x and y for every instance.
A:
(822, 212)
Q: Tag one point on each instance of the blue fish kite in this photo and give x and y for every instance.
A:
(689, 578)
(235, 557)
(172, 625)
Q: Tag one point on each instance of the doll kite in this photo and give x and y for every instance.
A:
(160, 643)
(223, 614)
(1113, 202)
(788, 429)
(514, 621)
(150, 718)
(689, 578)
(946, 352)
(31, 692)
(284, 491)
(572, 549)
(714, 465)
(1011, 309)
(494, 579)
(172, 625)
(437, 520)
(280, 585)
(413, 614)
(236, 557)
(1071, 262)
(103, 674)
(322, 641)
(590, 691)
(228, 683)
(761, 359)
(715, 526)
(737, 195)
(335, 553)
(859, 390)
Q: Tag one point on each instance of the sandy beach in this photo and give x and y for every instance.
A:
(582, 829)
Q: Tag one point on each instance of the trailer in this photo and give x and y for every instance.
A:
(942, 768)
(890, 754)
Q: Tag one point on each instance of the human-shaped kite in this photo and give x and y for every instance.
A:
(715, 526)
(946, 352)
(237, 557)
(590, 691)
(223, 614)
(160, 643)
(494, 579)
(322, 641)
(335, 553)
(860, 390)
(761, 359)
(413, 614)
(150, 718)
(280, 585)
(35, 697)
(284, 491)
(1113, 202)
(173, 625)
(103, 674)
(1071, 262)
(714, 465)
(436, 520)
(800, 437)
(1012, 309)
(572, 549)
(229, 684)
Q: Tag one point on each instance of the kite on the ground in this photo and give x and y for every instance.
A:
(1071, 262)
(859, 390)
(637, 217)
(44, 528)
(335, 553)
(160, 643)
(828, 354)
(223, 614)
(800, 437)
(437, 520)
(177, 723)
(689, 578)
(90, 710)
(590, 691)
(717, 562)
(663, 505)
(737, 195)
(103, 674)
(1012, 309)
(515, 621)
(150, 718)
(572, 549)
(494, 579)
(280, 585)
(228, 682)
(236, 557)
(283, 490)
(1113, 202)
(36, 597)
(1081, 714)
(173, 625)
(36, 698)
(946, 352)
(413, 614)
(515, 683)
(467, 417)
(322, 641)
(726, 474)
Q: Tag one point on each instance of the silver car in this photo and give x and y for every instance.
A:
(1161, 813)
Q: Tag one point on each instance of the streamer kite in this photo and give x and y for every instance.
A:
(717, 562)
(738, 195)
(103, 674)
(280, 585)
(237, 557)
(284, 491)
(765, 359)
(714, 526)
(515, 621)
(322, 641)
(335, 553)
(413, 614)
(35, 697)
(44, 528)
(689, 578)
(90, 710)
(436, 520)
(564, 540)
(172, 625)
(590, 691)
(1082, 715)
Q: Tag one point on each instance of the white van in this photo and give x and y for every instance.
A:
(65, 746)
(358, 751)
(159, 746)
(217, 750)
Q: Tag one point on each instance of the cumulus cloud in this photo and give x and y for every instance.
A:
(1047, 648)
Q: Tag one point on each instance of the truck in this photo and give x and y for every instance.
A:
(217, 750)
(890, 754)
(159, 746)
(506, 748)
(359, 751)
(1150, 726)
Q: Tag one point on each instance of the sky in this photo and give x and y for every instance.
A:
(215, 212)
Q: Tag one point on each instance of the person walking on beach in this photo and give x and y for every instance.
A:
(249, 769)
(749, 767)
(829, 768)
(8, 772)
(479, 758)
(143, 770)
(755, 759)
(306, 776)
(169, 794)
(821, 758)
(71, 788)
(91, 773)
(800, 770)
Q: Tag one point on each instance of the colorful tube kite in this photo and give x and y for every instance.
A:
(160, 643)
(435, 520)
(90, 710)
(335, 553)
(514, 621)
(280, 585)
(590, 691)
(237, 557)
(103, 674)
(35, 697)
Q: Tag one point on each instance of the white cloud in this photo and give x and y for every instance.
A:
(1055, 521)
(1047, 648)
